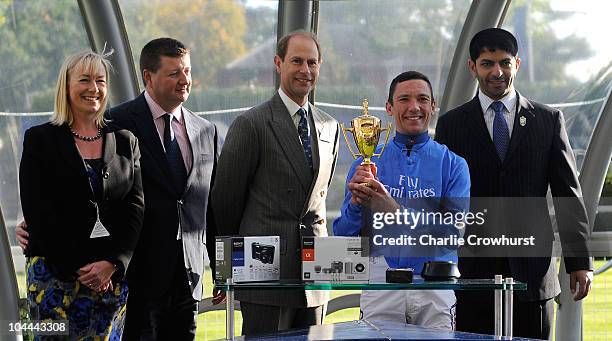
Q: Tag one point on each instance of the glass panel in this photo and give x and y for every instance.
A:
(232, 49)
(603, 219)
(35, 38)
(366, 44)
(566, 60)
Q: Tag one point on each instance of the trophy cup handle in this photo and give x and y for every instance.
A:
(388, 130)
(352, 130)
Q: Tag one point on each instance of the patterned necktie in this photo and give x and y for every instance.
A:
(174, 156)
(304, 133)
(501, 136)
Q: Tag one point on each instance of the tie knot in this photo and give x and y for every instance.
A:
(301, 112)
(497, 106)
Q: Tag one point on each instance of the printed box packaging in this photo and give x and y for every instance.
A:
(247, 259)
(335, 259)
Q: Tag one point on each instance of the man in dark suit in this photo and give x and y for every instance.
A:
(274, 171)
(516, 147)
(179, 154)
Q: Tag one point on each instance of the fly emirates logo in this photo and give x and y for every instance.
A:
(409, 187)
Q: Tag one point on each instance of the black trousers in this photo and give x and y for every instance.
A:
(475, 314)
(265, 319)
(168, 317)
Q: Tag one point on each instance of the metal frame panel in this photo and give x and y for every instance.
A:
(568, 325)
(9, 292)
(460, 85)
(296, 16)
(105, 26)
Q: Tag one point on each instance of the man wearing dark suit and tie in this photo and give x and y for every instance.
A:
(516, 147)
(274, 171)
(179, 154)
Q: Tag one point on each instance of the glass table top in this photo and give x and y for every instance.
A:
(417, 284)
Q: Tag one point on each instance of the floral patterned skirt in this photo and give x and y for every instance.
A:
(90, 315)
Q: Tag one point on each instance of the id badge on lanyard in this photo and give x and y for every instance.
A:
(99, 230)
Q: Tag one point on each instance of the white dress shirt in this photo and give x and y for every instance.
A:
(509, 102)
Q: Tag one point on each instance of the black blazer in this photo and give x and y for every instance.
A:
(157, 254)
(58, 201)
(539, 156)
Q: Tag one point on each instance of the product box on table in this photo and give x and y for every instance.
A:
(247, 259)
(335, 259)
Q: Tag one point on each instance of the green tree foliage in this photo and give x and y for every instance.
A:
(212, 29)
(542, 74)
(35, 37)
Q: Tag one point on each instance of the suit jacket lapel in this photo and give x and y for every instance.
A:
(109, 152)
(322, 133)
(524, 114)
(481, 133)
(193, 128)
(110, 148)
(71, 155)
(143, 120)
(286, 133)
(316, 140)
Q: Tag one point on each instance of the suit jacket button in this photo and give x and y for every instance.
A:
(106, 175)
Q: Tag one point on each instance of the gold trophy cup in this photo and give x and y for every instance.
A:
(366, 130)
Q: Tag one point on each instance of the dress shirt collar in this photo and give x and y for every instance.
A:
(292, 107)
(158, 111)
(509, 101)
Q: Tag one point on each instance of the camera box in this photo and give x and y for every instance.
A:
(247, 259)
(335, 259)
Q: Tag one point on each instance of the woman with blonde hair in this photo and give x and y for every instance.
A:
(82, 200)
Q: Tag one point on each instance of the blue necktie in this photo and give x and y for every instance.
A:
(304, 133)
(501, 135)
(174, 156)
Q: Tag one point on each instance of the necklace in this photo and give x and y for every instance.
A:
(86, 138)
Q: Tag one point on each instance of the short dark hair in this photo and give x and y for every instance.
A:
(150, 57)
(492, 39)
(283, 43)
(406, 76)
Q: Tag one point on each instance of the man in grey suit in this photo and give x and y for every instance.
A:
(273, 174)
(179, 154)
